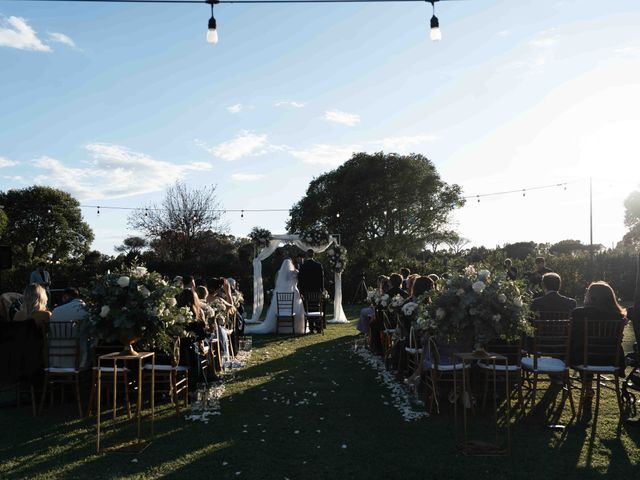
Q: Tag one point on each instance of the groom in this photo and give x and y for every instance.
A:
(310, 276)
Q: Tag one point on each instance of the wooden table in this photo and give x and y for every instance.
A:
(111, 360)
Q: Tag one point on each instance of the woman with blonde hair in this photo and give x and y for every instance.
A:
(34, 305)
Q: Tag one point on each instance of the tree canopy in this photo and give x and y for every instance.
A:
(383, 200)
(44, 223)
(632, 219)
(181, 224)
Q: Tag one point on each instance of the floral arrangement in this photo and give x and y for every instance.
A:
(134, 305)
(474, 305)
(337, 258)
(315, 236)
(261, 237)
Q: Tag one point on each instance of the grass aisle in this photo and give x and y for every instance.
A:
(310, 408)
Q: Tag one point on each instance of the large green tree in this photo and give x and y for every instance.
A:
(44, 222)
(381, 202)
(632, 219)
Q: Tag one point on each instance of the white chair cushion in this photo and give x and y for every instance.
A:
(390, 331)
(413, 351)
(181, 368)
(62, 370)
(597, 368)
(284, 313)
(545, 364)
(313, 314)
(449, 367)
(160, 368)
(500, 367)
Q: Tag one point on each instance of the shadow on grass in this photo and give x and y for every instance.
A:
(289, 414)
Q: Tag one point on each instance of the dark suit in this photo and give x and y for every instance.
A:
(311, 277)
(553, 302)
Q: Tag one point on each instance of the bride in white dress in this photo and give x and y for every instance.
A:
(286, 282)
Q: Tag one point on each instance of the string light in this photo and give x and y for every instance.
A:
(436, 33)
(98, 210)
(524, 192)
(212, 32)
(242, 214)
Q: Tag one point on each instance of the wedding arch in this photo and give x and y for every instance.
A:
(279, 241)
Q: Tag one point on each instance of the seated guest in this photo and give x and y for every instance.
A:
(410, 279)
(238, 304)
(9, 304)
(207, 311)
(599, 304)
(188, 282)
(220, 294)
(34, 305)
(435, 279)
(405, 272)
(510, 270)
(395, 280)
(367, 314)
(552, 301)
(72, 310)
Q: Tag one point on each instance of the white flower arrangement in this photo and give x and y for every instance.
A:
(409, 308)
(123, 281)
(337, 258)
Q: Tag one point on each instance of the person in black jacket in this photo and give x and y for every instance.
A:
(552, 301)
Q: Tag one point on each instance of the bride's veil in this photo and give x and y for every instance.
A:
(284, 276)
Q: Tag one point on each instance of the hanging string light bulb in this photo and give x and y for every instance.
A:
(98, 210)
(436, 34)
(212, 31)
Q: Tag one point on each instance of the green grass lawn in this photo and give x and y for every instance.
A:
(289, 413)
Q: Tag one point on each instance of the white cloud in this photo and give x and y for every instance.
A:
(5, 162)
(245, 144)
(114, 171)
(15, 32)
(544, 39)
(321, 154)
(246, 177)
(289, 103)
(62, 38)
(344, 118)
(237, 108)
(13, 178)
(402, 144)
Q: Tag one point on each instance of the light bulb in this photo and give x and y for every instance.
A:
(212, 33)
(436, 34)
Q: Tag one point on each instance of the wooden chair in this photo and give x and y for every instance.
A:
(314, 315)
(170, 373)
(601, 356)
(106, 371)
(285, 316)
(513, 352)
(632, 380)
(388, 331)
(549, 353)
(63, 361)
(21, 357)
(436, 372)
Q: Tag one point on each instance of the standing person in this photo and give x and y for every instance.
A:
(43, 278)
(311, 276)
(510, 270)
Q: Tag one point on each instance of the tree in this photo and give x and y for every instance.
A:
(383, 203)
(520, 250)
(4, 221)
(45, 223)
(568, 247)
(632, 219)
(178, 226)
(132, 246)
(457, 244)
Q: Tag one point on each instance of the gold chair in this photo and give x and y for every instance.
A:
(438, 372)
(601, 356)
(285, 316)
(413, 350)
(63, 360)
(549, 355)
(314, 315)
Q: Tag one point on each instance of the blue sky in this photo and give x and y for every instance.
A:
(114, 102)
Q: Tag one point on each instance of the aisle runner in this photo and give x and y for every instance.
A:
(401, 397)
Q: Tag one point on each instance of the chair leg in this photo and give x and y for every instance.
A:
(125, 381)
(519, 387)
(92, 394)
(44, 391)
(567, 382)
(534, 390)
(583, 390)
(616, 379)
(77, 388)
(33, 400)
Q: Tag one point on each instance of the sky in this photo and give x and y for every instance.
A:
(114, 102)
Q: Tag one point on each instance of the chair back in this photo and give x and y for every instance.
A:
(512, 350)
(633, 314)
(21, 348)
(602, 341)
(552, 338)
(313, 302)
(284, 303)
(413, 343)
(556, 315)
(62, 345)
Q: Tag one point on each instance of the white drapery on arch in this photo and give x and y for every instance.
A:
(258, 290)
